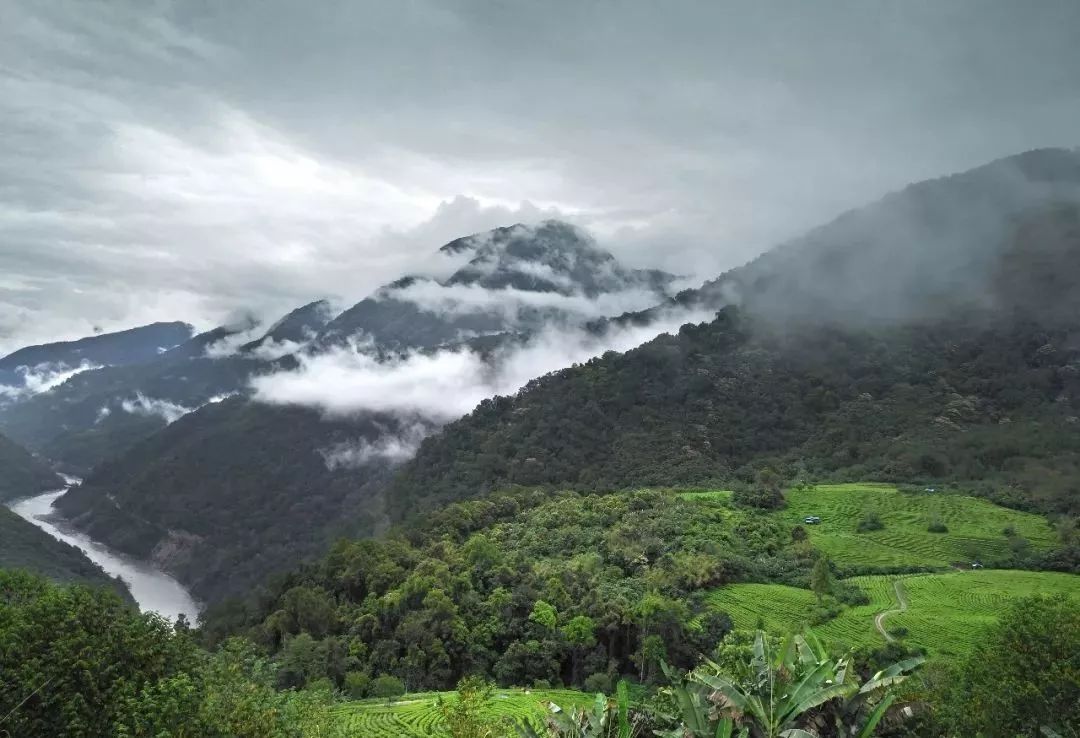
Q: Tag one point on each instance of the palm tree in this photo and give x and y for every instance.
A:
(788, 694)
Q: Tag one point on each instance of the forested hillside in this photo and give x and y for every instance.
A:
(25, 546)
(986, 392)
(274, 497)
(22, 474)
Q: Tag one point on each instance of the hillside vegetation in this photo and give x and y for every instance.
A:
(966, 529)
(22, 474)
(25, 546)
(946, 614)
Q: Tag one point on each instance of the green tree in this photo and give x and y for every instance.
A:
(1023, 677)
(821, 581)
(469, 714)
(387, 687)
(72, 658)
(544, 615)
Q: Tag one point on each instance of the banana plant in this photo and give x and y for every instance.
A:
(604, 718)
(789, 692)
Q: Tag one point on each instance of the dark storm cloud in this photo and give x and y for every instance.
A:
(189, 159)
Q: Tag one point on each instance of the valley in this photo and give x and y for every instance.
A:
(152, 589)
(565, 477)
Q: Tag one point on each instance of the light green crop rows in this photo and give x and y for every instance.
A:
(975, 526)
(418, 717)
(946, 614)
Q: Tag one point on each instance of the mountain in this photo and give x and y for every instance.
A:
(22, 474)
(97, 414)
(233, 491)
(239, 489)
(132, 346)
(295, 329)
(956, 365)
(934, 335)
(517, 278)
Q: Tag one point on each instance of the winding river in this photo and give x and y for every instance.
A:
(152, 588)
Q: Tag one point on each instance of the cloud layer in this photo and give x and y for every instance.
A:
(443, 385)
(174, 160)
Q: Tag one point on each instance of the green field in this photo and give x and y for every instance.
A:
(417, 716)
(946, 612)
(975, 526)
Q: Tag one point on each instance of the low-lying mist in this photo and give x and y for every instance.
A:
(427, 389)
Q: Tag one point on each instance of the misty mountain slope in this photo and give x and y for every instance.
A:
(298, 327)
(22, 474)
(20, 369)
(226, 478)
(515, 278)
(915, 254)
(236, 490)
(97, 414)
(987, 391)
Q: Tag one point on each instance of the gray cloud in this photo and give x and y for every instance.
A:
(186, 160)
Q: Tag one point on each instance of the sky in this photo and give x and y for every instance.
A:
(198, 160)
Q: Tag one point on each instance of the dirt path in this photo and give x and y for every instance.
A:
(879, 619)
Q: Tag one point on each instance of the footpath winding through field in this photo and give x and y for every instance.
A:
(879, 619)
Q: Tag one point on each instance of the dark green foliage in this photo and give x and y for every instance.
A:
(73, 657)
(1023, 677)
(284, 502)
(763, 498)
(22, 474)
(387, 687)
(529, 588)
(936, 525)
(870, 521)
(25, 546)
(81, 663)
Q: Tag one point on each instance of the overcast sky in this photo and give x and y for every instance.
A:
(188, 160)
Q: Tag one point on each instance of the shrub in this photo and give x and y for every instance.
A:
(387, 687)
(870, 521)
(356, 684)
(937, 526)
(763, 498)
(599, 682)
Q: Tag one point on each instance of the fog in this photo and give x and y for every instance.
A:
(170, 160)
(445, 384)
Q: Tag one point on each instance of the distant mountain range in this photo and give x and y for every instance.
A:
(894, 342)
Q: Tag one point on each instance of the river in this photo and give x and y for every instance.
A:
(152, 588)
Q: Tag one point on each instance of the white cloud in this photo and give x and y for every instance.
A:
(167, 410)
(446, 384)
(394, 447)
(460, 299)
(42, 378)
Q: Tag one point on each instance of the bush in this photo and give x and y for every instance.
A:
(936, 526)
(850, 594)
(763, 498)
(870, 521)
(599, 682)
(357, 684)
(387, 687)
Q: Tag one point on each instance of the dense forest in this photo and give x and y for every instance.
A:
(285, 500)
(25, 546)
(23, 473)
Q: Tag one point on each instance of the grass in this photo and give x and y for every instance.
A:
(974, 526)
(417, 716)
(946, 614)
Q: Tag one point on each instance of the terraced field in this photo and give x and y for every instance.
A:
(975, 526)
(946, 612)
(418, 716)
